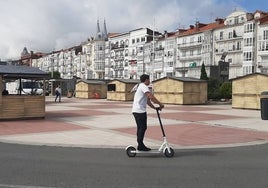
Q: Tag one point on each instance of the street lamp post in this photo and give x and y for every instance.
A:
(52, 66)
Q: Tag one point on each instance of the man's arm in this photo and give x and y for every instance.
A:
(152, 98)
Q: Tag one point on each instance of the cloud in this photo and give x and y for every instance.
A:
(43, 26)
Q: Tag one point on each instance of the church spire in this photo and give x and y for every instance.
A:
(105, 34)
(98, 34)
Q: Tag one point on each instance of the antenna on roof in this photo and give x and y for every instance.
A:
(235, 8)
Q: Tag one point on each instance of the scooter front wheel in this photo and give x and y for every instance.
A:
(131, 151)
(169, 153)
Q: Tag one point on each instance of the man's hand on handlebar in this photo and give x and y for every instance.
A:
(160, 107)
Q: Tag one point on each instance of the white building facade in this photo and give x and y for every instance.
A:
(240, 40)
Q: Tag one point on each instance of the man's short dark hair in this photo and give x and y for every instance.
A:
(144, 77)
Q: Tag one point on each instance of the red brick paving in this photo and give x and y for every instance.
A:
(76, 113)
(102, 106)
(199, 134)
(187, 134)
(35, 126)
(192, 108)
(194, 116)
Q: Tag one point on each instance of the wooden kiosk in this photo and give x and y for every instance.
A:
(180, 90)
(19, 106)
(246, 90)
(91, 89)
(119, 89)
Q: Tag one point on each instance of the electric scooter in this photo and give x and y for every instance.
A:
(165, 148)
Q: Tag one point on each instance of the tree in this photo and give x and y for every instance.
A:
(203, 75)
(226, 90)
(55, 75)
(213, 89)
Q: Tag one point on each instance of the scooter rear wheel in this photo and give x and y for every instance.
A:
(169, 154)
(131, 151)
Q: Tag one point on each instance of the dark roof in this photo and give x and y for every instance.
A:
(10, 71)
(128, 81)
(252, 74)
(97, 82)
(183, 79)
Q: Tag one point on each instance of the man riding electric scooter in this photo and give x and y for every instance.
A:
(142, 97)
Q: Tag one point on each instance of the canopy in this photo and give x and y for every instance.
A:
(25, 72)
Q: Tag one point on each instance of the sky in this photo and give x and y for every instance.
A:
(50, 25)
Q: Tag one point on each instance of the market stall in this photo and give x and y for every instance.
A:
(21, 105)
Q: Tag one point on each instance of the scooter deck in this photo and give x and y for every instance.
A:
(151, 151)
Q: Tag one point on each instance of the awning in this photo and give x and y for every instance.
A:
(25, 72)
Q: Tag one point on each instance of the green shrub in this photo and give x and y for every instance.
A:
(226, 90)
(213, 89)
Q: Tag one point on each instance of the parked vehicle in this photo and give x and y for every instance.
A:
(24, 87)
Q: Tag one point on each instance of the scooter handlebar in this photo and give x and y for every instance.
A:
(158, 108)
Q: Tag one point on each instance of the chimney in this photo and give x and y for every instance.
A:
(219, 20)
(197, 25)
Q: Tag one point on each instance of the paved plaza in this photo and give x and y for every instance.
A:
(99, 123)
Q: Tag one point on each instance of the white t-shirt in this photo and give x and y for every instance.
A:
(140, 99)
(58, 89)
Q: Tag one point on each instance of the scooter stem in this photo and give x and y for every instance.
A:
(161, 125)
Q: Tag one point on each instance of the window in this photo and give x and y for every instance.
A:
(248, 56)
(236, 20)
(238, 45)
(199, 39)
(170, 64)
(221, 35)
(191, 52)
(249, 28)
(191, 39)
(230, 46)
(126, 43)
(111, 87)
(126, 53)
(230, 35)
(265, 35)
(247, 70)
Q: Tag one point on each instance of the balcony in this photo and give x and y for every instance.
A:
(230, 51)
(190, 45)
(117, 47)
(227, 38)
(190, 58)
(99, 67)
(159, 48)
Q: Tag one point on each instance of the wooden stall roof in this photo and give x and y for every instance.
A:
(127, 81)
(95, 82)
(256, 73)
(11, 71)
(182, 79)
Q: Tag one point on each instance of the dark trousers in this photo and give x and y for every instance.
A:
(141, 121)
(58, 96)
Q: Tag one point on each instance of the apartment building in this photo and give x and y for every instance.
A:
(234, 46)
(64, 61)
(117, 57)
(228, 44)
(262, 43)
(195, 47)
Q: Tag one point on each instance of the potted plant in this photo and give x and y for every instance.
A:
(70, 93)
